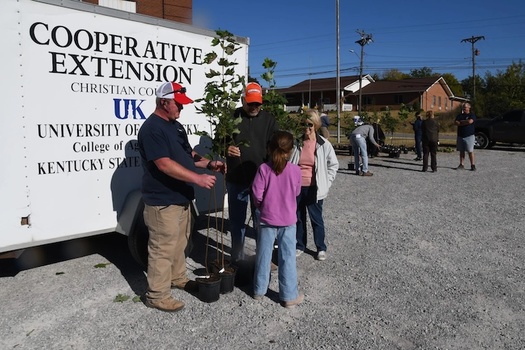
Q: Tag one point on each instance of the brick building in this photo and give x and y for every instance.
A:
(174, 10)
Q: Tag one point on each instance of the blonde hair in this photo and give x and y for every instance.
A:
(313, 115)
(279, 149)
(430, 114)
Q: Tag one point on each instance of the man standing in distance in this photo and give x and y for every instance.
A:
(418, 135)
(169, 165)
(465, 139)
(358, 139)
(325, 123)
(256, 129)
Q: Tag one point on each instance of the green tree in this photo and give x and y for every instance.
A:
(274, 102)
(504, 90)
(453, 83)
(404, 111)
(394, 74)
(390, 122)
(478, 103)
(423, 72)
(221, 93)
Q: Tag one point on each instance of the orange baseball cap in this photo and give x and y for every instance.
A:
(253, 93)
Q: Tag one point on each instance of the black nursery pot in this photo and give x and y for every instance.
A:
(216, 266)
(228, 279)
(209, 288)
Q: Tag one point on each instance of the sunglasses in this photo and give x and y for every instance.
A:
(181, 90)
(254, 105)
(309, 125)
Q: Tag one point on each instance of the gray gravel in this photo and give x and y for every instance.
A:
(415, 261)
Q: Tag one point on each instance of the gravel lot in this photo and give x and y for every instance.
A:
(415, 261)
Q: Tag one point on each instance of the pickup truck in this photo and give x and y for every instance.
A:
(507, 128)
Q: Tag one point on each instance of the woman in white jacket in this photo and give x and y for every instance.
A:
(318, 162)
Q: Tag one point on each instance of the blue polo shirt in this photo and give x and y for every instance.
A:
(466, 130)
(159, 138)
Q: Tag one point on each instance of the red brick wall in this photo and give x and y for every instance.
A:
(174, 10)
(440, 96)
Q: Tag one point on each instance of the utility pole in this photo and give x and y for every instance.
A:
(338, 78)
(365, 39)
(475, 52)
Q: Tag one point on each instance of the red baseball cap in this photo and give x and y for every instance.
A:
(175, 92)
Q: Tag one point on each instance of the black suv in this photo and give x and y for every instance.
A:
(508, 128)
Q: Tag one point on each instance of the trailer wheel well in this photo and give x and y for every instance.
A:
(131, 223)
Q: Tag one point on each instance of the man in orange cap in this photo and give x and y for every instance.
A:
(169, 165)
(256, 128)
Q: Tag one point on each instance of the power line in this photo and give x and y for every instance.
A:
(365, 39)
(475, 52)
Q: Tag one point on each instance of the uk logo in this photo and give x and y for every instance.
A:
(128, 108)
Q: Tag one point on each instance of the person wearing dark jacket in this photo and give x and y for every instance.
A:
(430, 139)
(256, 130)
(416, 126)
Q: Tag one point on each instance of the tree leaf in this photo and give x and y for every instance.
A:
(101, 265)
(120, 298)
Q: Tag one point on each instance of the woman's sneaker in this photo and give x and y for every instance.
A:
(321, 255)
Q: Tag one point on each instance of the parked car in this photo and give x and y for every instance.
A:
(507, 128)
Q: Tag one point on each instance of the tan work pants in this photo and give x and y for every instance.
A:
(169, 231)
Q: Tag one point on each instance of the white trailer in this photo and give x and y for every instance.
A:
(78, 80)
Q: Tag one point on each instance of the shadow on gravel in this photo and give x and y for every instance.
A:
(112, 246)
(506, 148)
(387, 166)
(397, 164)
(203, 238)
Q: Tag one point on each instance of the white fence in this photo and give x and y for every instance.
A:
(347, 107)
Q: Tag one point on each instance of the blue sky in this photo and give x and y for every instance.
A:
(300, 35)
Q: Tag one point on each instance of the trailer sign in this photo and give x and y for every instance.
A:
(78, 82)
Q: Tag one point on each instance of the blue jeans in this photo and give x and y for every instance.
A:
(285, 236)
(238, 199)
(359, 147)
(307, 201)
(418, 144)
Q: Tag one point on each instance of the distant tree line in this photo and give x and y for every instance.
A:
(495, 93)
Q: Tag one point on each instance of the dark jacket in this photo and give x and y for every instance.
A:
(257, 132)
(430, 129)
(416, 126)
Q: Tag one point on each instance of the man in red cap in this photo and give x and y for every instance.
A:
(169, 164)
(256, 129)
